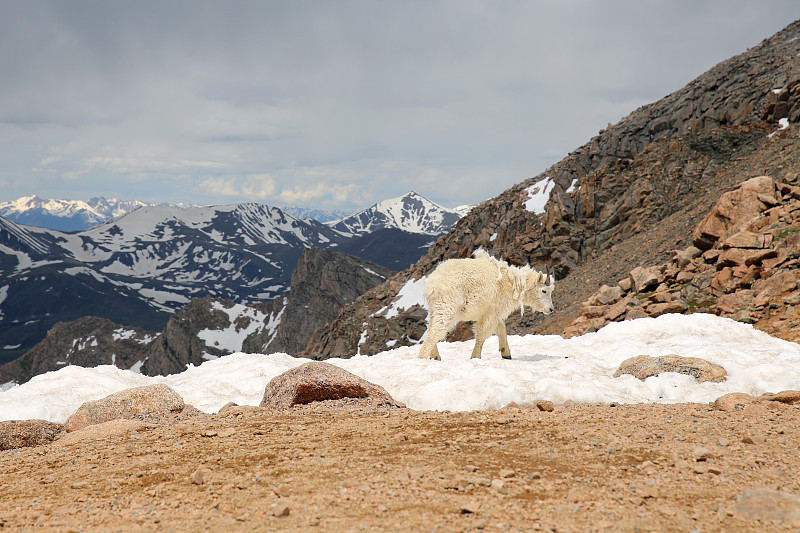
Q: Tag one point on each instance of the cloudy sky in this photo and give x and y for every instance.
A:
(335, 104)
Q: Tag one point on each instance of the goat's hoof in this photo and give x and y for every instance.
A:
(506, 357)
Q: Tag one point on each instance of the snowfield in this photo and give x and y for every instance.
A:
(547, 367)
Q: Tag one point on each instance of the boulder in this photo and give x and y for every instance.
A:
(733, 401)
(644, 366)
(643, 278)
(768, 505)
(103, 430)
(684, 257)
(771, 288)
(733, 210)
(318, 381)
(26, 433)
(606, 295)
(735, 301)
(658, 309)
(787, 396)
(744, 256)
(747, 239)
(126, 404)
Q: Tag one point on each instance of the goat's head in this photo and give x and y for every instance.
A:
(539, 293)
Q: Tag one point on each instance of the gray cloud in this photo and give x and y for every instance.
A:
(335, 104)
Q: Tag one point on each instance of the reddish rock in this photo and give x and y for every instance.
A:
(317, 381)
(747, 239)
(606, 295)
(26, 433)
(584, 327)
(685, 257)
(643, 279)
(636, 312)
(732, 302)
(788, 396)
(744, 256)
(767, 289)
(733, 401)
(126, 404)
(617, 310)
(658, 309)
(733, 210)
(644, 366)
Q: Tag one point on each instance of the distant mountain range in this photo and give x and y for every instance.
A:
(65, 215)
(139, 268)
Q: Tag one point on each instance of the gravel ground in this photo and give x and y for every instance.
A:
(336, 466)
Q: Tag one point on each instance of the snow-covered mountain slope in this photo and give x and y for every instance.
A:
(411, 212)
(139, 268)
(65, 215)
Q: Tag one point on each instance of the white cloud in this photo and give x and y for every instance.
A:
(338, 193)
(336, 104)
(253, 187)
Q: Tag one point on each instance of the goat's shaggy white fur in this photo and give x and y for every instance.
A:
(484, 290)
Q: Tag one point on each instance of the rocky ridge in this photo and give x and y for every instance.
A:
(323, 283)
(88, 341)
(638, 187)
(743, 264)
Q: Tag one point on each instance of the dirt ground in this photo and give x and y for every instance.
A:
(326, 467)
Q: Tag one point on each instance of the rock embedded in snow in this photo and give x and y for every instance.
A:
(126, 404)
(316, 382)
(26, 433)
(788, 396)
(645, 366)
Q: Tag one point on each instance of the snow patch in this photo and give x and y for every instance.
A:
(244, 321)
(538, 194)
(549, 367)
(411, 294)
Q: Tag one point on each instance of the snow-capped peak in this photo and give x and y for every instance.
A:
(411, 212)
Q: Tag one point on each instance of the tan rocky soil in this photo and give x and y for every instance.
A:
(332, 468)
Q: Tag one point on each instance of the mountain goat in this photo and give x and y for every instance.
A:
(484, 290)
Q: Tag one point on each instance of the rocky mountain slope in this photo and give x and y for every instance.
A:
(89, 341)
(743, 264)
(627, 198)
(207, 328)
(65, 215)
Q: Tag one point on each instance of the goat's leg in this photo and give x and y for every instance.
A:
(505, 351)
(437, 331)
(482, 332)
(436, 355)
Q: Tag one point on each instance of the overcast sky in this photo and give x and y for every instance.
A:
(335, 104)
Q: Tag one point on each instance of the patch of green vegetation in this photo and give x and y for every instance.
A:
(786, 232)
(697, 305)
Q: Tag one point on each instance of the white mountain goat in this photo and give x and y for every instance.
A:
(484, 290)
